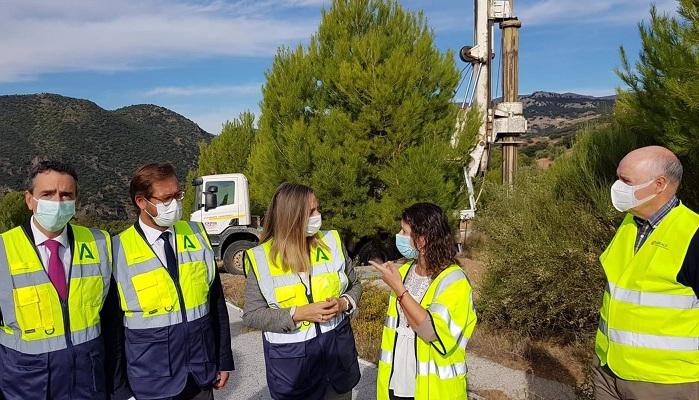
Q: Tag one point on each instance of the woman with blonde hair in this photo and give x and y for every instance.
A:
(301, 289)
(430, 314)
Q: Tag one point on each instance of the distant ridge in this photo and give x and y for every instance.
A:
(105, 146)
(549, 113)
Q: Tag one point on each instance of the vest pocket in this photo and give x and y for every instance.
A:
(194, 283)
(325, 286)
(286, 296)
(97, 372)
(287, 369)
(34, 311)
(148, 353)
(152, 292)
(201, 348)
(27, 300)
(16, 360)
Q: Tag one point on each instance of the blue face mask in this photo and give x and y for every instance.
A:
(405, 248)
(53, 215)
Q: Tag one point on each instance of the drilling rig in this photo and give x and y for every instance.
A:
(502, 123)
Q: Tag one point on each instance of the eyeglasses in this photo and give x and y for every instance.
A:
(178, 196)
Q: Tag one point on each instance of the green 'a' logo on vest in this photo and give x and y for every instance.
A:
(85, 252)
(188, 243)
(320, 255)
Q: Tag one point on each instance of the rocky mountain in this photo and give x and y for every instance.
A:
(104, 146)
(549, 113)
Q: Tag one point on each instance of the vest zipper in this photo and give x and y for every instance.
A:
(64, 303)
(178, 288)
(176, 282)
(309, 298)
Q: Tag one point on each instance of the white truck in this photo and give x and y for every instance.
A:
(222, 205)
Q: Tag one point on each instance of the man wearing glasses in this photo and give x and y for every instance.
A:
(177, 332)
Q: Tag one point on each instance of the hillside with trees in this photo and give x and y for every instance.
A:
(104, 146)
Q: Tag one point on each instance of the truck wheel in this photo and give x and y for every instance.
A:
(233, 256)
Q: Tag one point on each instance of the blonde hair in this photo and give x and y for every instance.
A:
(285, 224)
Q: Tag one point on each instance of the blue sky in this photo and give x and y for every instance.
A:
(207, 59)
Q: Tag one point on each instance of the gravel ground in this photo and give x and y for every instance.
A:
(248, 380)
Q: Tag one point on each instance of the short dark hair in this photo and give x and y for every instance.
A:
(429, 221)
(49, 165)
(144, 177)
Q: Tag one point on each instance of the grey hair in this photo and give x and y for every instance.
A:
(673, 169)
(670, 167)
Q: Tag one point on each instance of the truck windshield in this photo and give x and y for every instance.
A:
(226, 192)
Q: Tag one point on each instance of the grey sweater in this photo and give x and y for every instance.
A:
(258, 315)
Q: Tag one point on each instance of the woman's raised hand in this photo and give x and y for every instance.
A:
(390, 275)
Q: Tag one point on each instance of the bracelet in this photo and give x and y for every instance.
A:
(401, 296)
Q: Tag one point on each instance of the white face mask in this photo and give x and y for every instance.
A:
(314, 223)
(167, 214)
(53, 215)
(624, 195)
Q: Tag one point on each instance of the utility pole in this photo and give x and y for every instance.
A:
(504, 123)
(509, 123)
(510, 81)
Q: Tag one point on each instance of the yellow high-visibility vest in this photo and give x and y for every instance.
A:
(441, 365)
(282, 287)
(33, 315)
(649, 323)
(148, 294)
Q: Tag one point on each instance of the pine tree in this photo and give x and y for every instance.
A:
(227, 153)
(364, 115)
(663, 101)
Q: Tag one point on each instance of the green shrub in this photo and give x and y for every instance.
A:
(113, 227)
(544, 236)
(588, 172)
(13, 210)
(543, 277)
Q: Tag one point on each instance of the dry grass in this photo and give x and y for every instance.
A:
(567, 364)
(368, 324)
(234, 288)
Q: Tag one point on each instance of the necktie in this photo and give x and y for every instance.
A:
(170, 258)
(56, 270)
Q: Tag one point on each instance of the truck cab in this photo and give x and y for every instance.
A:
(222, 205)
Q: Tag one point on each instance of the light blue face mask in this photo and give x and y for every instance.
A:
(53, 215)
(405, 248)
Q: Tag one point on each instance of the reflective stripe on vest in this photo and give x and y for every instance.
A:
(443, 372)
(440, 371)
(649, 299)
(283, 288)
(32, 311)
(148, 294)
(648, 330)
(649, 341)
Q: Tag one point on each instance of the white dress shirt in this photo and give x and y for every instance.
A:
(64, 251)
(156, 242)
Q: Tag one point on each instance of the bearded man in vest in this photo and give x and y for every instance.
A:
(54, 280)
(177, 333)
(647, 344)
